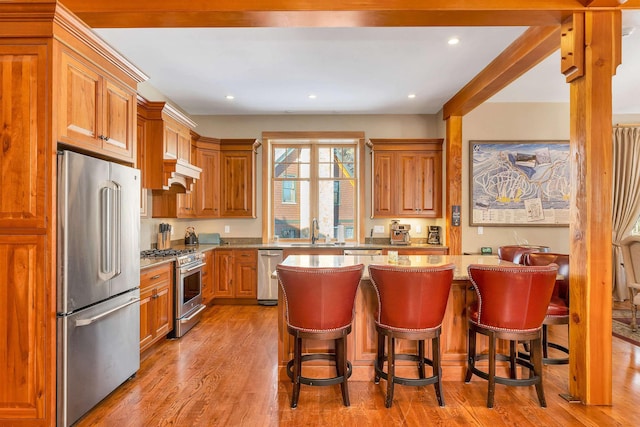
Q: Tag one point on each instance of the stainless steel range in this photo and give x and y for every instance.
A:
(188, 305)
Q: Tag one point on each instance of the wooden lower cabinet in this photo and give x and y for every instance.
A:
(156, 304)
(236, 277)
(208, 277)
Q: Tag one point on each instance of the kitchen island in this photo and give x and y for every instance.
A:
(362, 342)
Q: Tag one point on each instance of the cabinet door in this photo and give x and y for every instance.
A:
(170, 140)
(184, 208)
(79, 107)
(208, 277)
(184, 145)
(245, 274)
(420, 184)
(118, 121)
(223, 274)
(237, 183)
(429, 181)
(147, 318)
(408, 185)
(24, 179)
(383, 191)
(207, 187)
(25, 316)
(163, 310)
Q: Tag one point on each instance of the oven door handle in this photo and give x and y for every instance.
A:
(198, 311)
(193, 268)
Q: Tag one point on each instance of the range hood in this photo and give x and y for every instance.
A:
(179, 172)
(164, 135)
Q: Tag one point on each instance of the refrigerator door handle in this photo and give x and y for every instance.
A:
(106, 256)
(117, 229)
(90, 320)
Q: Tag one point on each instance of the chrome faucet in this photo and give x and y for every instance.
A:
(315, 228)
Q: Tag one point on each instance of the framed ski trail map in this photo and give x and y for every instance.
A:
(519, 183)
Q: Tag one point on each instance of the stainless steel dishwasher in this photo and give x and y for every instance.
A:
(268, 286)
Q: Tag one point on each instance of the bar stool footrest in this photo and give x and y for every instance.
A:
(504, 380)
(408, 381)
(319, 381)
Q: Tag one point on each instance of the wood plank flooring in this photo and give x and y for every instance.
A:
(224, 373)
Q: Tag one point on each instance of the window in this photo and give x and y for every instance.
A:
(313, 178)
(288, 191)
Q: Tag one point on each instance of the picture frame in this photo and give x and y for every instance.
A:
(519, 183)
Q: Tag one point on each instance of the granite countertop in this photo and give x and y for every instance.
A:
(461, 262)
(239, 244)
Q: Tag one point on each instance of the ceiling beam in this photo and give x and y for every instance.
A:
(328, 13)
(524, 53)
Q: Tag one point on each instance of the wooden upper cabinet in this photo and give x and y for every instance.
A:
(207, 188)
(95, 113)
(383, 192)
(23, 157)
(420, 179)
(237, 177)
(407, 178)
(167, 145)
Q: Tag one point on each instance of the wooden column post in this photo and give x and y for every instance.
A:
(454, 182)
(590, 230)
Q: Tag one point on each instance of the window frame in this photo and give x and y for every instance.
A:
(314, 140)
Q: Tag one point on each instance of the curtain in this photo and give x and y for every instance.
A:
(625, 198)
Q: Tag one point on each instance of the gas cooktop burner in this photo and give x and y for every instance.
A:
(161, 253)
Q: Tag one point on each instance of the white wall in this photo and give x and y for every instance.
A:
(516, 122)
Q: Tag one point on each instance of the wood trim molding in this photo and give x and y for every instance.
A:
(524, 53)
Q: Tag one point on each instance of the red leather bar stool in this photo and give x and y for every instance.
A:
(411, 306)
(319, 306)
(558, 310)
(514, 253)
(512, 304)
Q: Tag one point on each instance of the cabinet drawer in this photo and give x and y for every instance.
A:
(154, 275)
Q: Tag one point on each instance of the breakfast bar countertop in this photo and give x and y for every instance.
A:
(461, 262)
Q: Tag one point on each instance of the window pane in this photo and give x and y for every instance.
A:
(291, 220)
(336, 201)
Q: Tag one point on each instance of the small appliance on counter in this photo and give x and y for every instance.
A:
(400, 233)
(190, 236)
(433, 238)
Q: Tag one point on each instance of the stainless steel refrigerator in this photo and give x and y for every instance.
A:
(98, 280)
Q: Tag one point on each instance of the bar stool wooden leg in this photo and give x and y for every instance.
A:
(391, 362)
(421, 373)
(471, 355)
(297, 368)
(512, 359)
(492, 369)
(536, 360)
(380, 357)
(437, 368)
(341, 367)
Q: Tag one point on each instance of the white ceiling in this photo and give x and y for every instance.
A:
(350, 70)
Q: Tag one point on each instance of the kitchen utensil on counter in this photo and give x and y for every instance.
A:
(399, 233)
(433, 238)
(190, 236)
(164, 236)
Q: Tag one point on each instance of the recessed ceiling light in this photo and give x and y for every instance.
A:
(411, 95)
(312, 96)
(230, 97)
(454, 40)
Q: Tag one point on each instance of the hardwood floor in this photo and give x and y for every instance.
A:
(224, 373)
